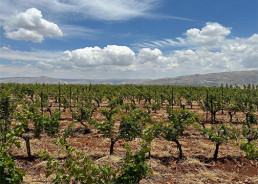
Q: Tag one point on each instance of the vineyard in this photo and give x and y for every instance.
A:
(128, 134)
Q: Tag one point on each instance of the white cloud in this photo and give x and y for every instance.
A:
(116, 9)
(121, 61)
(243, 51)
(110, 58)
(53, 7)
(212, 35)
(79, 32)
(109, 10)
(202, 59)
(93, 57)
(234, 54)
(35, 55)
(18, 71)
(208, 50)
(23, 34)
(155, 56)
(148, 55)
(30, 26)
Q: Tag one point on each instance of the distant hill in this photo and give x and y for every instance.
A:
(213, 79)
(105, 81)
(32, 80)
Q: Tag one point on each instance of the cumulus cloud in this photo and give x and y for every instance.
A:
(111, 58)
(243, 51)
(123, 59)
(202, 59)
(148, 55)
(233, 54)
(212, 35)
(209, 35)
(30, 26)
(207, 50)
(94, 56)
(156, 57)
(115, 61)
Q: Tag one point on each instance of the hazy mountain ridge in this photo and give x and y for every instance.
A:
(213, 79)
(32, 80)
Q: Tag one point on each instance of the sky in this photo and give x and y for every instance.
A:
(129, 39)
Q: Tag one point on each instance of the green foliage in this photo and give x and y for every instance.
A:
(129, 106)
(52, 125)
(190, 97)
(249, 138)
(218, 134)
(108, 113)
(249, 132)
(65, 102)
(153, 131)
(98, 97)
(131, 126)
(179, 120)
(116, 102)
(135, 123)
(106, 128)
(84, 113)
(134, 168)
(148, 107)
(250, 148)
(7, 106)
(9, 173)
(76, 168)
(212, 102)
(44, 99)
(156, 106)
(41, 122)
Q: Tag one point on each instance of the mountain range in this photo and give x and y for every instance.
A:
(212, 79)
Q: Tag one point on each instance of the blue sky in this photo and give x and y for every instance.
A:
(127, 38)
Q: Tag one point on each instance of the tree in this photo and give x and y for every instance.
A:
(249, 137)
(76, 168)
(156, 106)
(41, 122)
(84, 113)
(80, 169)
(179, 120)
(9, 173)
(212, 103)
(130, 127)
(134, 168)
(153, 131)
(218, 134)
(9, 134)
